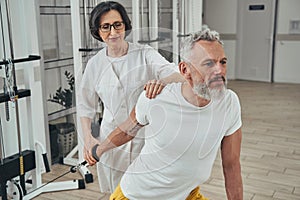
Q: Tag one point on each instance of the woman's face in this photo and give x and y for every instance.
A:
(112, 37)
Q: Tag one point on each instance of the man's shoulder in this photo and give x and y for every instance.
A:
(231, 93)
(171, 89)
(231, 98)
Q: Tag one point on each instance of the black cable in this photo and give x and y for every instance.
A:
(49, 182)
(73, 169)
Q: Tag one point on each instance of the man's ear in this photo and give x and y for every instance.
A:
(184, 69)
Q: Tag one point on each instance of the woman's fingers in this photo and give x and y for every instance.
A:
(153, 88)
(160, 88)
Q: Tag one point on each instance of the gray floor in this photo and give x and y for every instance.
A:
(270, 155)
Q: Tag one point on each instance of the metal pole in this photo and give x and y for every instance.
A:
(4, 55)
(136, 21)
(3, 192)
(84, 24)
(2, 156)
(22, 173)
(142, 21)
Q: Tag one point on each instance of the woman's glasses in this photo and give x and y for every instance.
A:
(107, 27)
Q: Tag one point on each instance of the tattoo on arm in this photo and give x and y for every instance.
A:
(133, 130)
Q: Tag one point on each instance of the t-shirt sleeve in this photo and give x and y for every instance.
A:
(141, 109)
(235, 115)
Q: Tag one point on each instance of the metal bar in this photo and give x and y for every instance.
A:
(2, 29)
(29, 58)
(4, 55)
(84, 24)
(274, 41)
(2, 156)
(22, 174)
(20, 93)
(136, 21)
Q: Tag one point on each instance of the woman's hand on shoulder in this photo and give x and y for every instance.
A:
(153, 88)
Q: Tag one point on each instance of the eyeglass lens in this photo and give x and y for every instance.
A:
(107, 27)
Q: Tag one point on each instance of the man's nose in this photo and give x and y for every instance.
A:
(218, 68)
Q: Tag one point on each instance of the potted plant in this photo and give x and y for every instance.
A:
(64, 97)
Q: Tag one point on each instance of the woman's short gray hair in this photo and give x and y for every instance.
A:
(188, 43)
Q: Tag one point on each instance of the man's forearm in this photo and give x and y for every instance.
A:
(121, 135)
(115, 139)
(233, 182)
(173, 78)
(230, 152)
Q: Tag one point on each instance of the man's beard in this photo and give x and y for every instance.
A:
(208, 92)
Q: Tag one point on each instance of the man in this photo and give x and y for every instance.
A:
(185, 126)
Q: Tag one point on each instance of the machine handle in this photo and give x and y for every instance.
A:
(46, 163)
(94, 149)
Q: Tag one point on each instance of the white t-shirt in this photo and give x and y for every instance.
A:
(181, 143)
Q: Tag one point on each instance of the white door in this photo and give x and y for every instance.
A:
(255, 39)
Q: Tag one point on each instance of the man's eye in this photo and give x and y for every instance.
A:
(209, 64)
(223, 62)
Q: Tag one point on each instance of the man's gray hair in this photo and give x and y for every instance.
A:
(188, 43)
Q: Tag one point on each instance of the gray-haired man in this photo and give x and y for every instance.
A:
(185, 126)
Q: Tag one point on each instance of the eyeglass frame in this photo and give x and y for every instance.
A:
(111, 25)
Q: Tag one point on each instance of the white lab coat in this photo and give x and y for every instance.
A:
(118, 82)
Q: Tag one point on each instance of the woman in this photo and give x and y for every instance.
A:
(117, 75)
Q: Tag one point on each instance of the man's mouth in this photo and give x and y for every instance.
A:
(217, 79)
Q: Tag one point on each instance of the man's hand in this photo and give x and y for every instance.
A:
(153, 88)
(89, 143)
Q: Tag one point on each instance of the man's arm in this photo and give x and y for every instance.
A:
(121, 135)
(230, 152)
(173, 78)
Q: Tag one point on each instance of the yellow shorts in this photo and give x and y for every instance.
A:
(194, 195)
(117, 194)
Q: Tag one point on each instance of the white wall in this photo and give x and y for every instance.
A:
(221, 16)
(287, 67)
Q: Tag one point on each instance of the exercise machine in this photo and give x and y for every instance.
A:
(21, 172)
